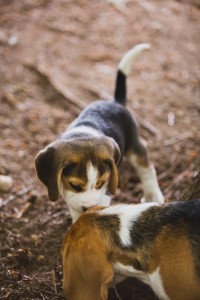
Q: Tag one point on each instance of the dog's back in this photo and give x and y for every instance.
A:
(158, 244)
(111, 119)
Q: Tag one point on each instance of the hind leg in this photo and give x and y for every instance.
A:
(138, 157)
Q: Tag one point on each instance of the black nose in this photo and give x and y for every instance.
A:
(84, 208)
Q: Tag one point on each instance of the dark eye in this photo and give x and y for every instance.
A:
(76, 187)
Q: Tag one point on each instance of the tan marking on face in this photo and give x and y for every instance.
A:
(67, 181)
(92, 178)
(102, 180)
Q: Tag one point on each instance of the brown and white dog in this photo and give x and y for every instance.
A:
(157, 243)
(82, 163)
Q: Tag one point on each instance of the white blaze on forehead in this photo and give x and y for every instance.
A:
(128, 213)
(92, 175)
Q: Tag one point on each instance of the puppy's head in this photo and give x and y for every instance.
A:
(87, 272)
(80, 165)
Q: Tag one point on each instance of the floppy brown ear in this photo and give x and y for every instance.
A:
(87, 273)
(49, 164)
(113, 181)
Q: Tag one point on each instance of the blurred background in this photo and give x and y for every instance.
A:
(57, 56)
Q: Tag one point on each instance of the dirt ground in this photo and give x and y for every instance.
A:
(56, 56)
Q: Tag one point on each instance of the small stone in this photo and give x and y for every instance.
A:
(40, 258)
(9, 255)
(5, 183)
(13, 40)
(35, 237)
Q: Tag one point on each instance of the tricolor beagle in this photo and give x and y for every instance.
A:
(157, 243)
(81, 164)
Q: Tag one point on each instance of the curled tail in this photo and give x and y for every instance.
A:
(124, 69)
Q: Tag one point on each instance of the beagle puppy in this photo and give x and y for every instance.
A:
(157, 243)
(82, 163)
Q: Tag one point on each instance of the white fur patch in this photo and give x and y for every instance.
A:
(157, 285)
(127, 214)
(84, 129)
(154, 279)
(92, 175)
(129, 58)
(149, 181)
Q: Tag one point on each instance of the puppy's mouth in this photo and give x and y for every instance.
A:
(84, 208)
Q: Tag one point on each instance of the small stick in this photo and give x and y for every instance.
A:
(178, 138)
(23, 210)
(19, 194)
(146, 125)
(116, 292)
(56, 215)
(167, 172)
(44, 291)
(54, 281)
(96, 92)
(43, 297)
(76, 102)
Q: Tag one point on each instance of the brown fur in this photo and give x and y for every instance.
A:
(89, 252)
(86, 270)
(175, 258)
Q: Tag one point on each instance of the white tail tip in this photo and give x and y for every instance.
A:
(129, 58)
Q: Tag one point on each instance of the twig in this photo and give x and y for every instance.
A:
(116, 292)
(95, 91)
(43, 297)
(177, 139)
(76, 102)
(167, 172)
(56, 215)
(146, 125)
(19, 194)
(7, 295)
(23, 210)
(54, 281)
(44, 291)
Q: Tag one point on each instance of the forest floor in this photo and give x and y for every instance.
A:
(58, 56)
